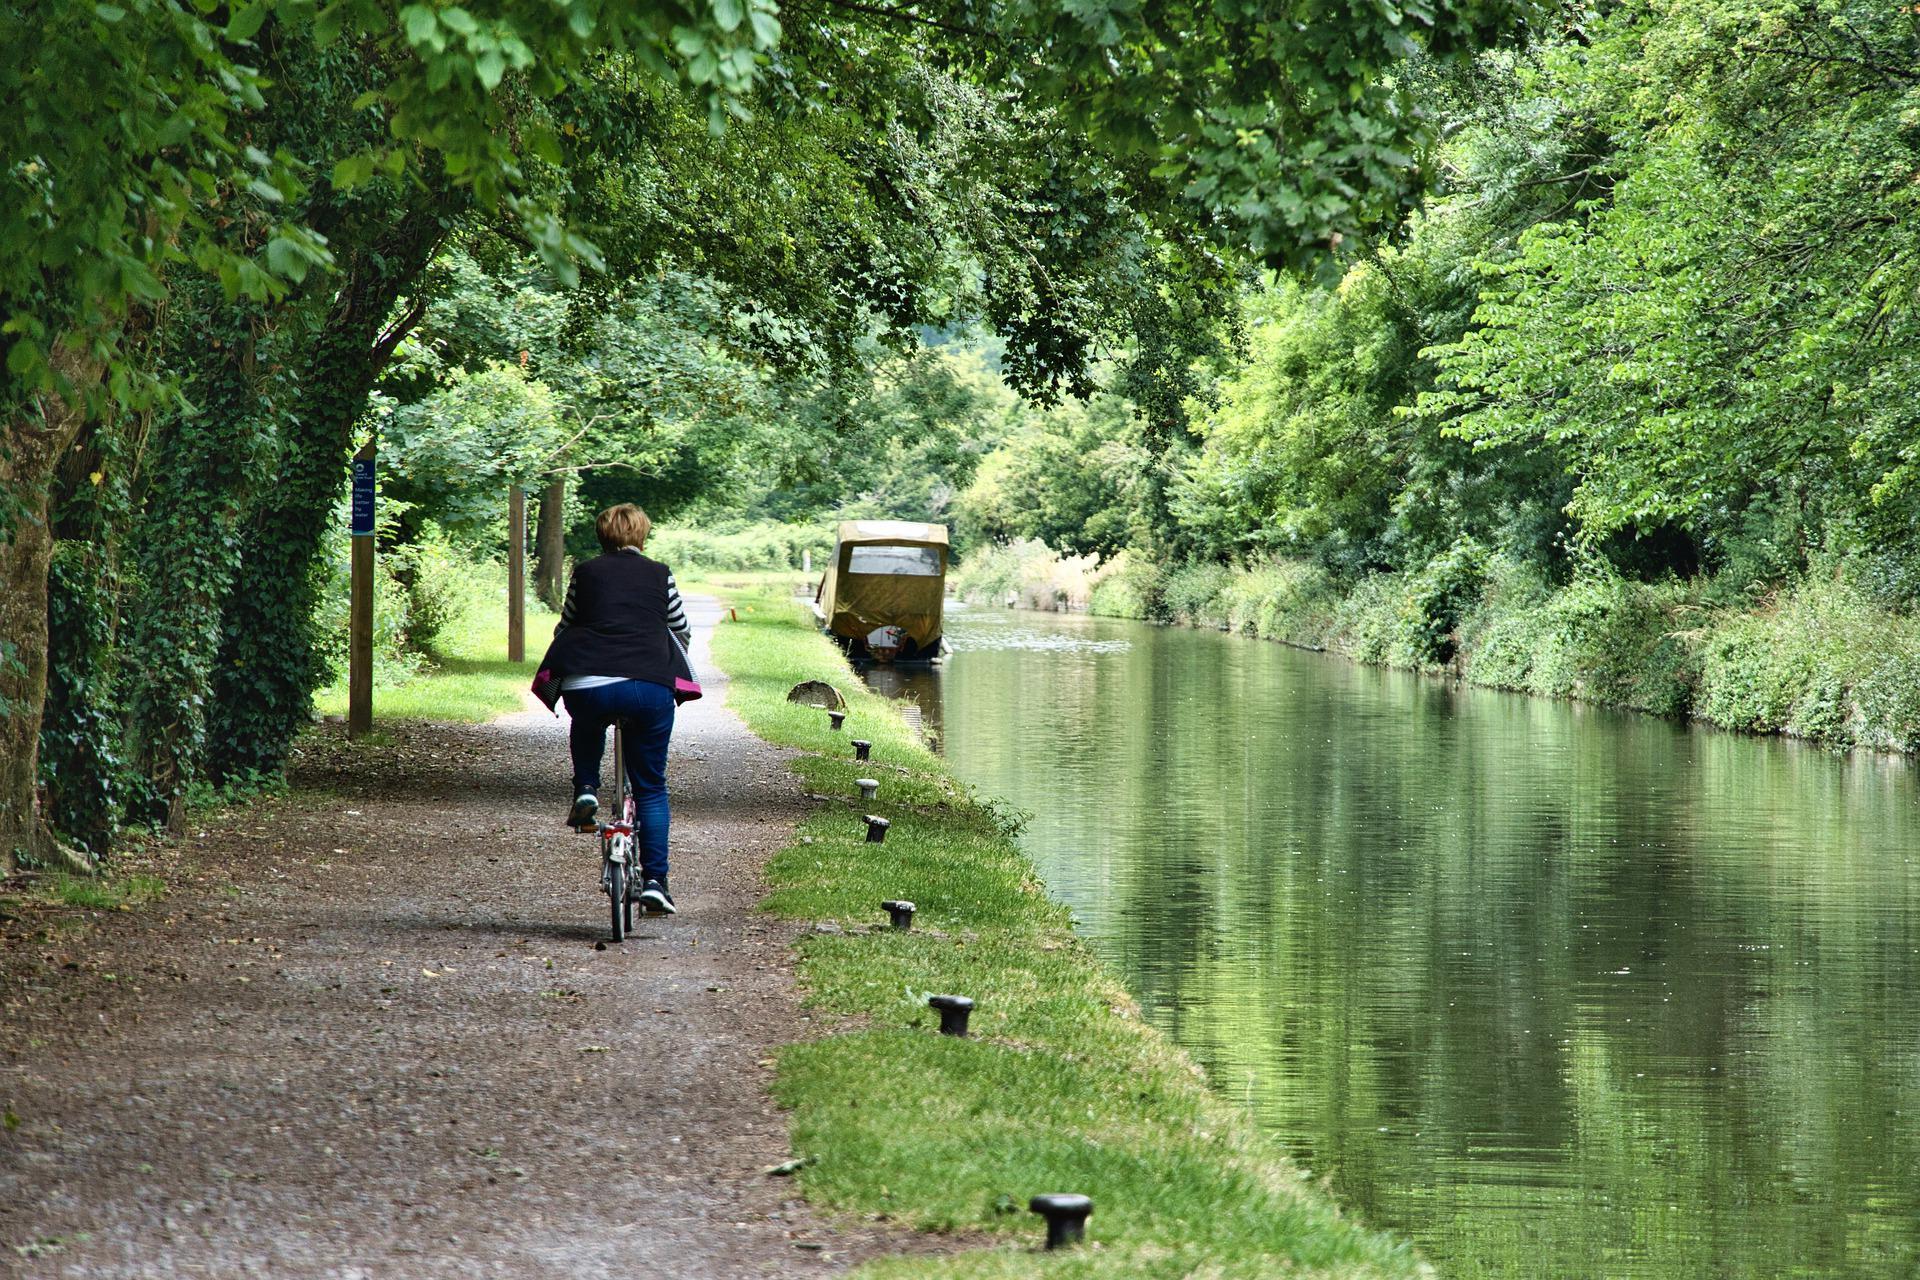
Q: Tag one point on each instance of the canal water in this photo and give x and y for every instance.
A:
(1557, 991)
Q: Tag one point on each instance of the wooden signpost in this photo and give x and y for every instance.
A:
(360, 601)
(516, 574)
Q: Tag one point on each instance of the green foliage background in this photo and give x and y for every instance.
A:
(1626, 412)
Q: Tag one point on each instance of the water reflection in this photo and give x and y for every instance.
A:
(915, 691)
(1557, 990)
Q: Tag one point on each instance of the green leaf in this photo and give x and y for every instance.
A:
(286, 259)
(352, 171)
(247, 22)
(109, 12)
(728, 14)
(420, 24)
(545, 143)
(490, 67)
(766, 29)
(454, 18)
(26, 362)
(328, 22)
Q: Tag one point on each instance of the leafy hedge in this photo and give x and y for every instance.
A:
(1825, 658)
(765, 545)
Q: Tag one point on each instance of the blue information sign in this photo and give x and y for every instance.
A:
(362, 498)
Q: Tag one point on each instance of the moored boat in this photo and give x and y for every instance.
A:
(884, 593)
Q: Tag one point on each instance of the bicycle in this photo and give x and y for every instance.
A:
(618, 848)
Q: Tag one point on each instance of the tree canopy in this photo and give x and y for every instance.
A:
(223, 224)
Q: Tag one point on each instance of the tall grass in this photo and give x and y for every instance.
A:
(1820, 657)
(1030, 575)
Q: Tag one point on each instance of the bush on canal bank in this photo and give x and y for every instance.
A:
(1061, 1088)
(1819, 658)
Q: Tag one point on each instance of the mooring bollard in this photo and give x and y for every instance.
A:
(838, 718)
(901, 911)
(877, 829)
(954, 1011)
(860, 748)
(1066, 1217)
(869, 787)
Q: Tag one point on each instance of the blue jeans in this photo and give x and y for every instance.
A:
(647, 710)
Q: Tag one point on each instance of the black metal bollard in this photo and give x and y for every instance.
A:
(901, 911)
(954, 1011)
(860, 748)
(838, 718)
(877, 828)
(1066, 1217)
(869, 787)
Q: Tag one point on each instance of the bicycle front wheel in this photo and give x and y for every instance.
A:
(617, 895)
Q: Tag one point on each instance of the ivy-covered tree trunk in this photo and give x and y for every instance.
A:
(82, 776)
(268, 665)
(211, 463)
(550, 544)
(38, 434)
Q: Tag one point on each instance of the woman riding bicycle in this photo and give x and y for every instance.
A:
(618, 646)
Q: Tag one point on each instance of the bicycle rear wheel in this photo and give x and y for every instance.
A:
(617, 895)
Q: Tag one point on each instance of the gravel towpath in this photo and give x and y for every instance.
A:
(369, 1035)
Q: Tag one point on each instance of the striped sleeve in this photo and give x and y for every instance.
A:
(677, 613)
(567, 607)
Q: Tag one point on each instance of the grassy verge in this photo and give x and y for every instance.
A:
(1062, 1087)
(470, 679)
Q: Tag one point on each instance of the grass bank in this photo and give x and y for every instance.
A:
(463, 673)
(466, 675)
(1061, 1088)
(1821, 657)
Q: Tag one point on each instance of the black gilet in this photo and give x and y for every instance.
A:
(619, 623)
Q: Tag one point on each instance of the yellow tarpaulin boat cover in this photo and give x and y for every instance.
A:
(887, 573)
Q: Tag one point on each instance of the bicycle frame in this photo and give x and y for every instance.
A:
(618, 848)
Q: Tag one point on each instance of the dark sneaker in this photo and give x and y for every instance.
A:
(585, 805)
(655, 900)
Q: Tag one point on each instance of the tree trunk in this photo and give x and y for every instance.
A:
(268, 665)
(550, 545)
(213, 462)
(42, 430)
(83, 781)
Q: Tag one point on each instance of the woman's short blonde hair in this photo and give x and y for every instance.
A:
(623, 526)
